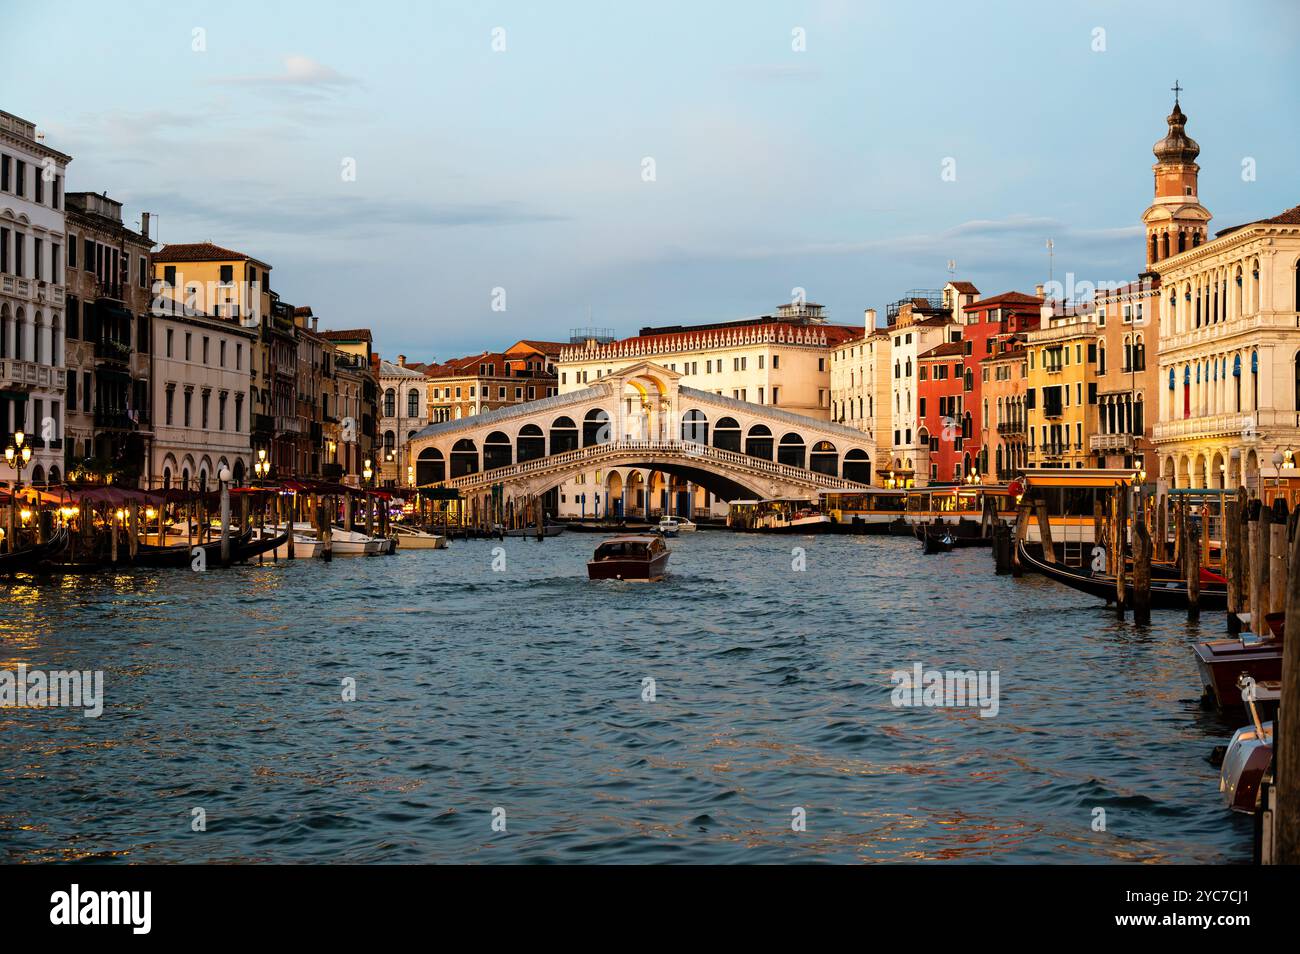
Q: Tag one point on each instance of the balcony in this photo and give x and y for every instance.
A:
(1244, 425)
(285, 424)
(1111, 442)
(116, 352)
(263, 424)
(114, 419)
(1011, 428)
(29, 374)
(29, 289)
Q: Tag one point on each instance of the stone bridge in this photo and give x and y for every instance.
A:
(641, 417)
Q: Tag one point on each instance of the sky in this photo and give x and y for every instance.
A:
(414, 167)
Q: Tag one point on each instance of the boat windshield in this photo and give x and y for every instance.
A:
(621, 548)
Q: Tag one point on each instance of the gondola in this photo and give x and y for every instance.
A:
(29, 557)
(250, 548)
(1165, 593)
(182, 556)
(936, 540)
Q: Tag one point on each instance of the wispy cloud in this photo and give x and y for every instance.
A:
(299, 71)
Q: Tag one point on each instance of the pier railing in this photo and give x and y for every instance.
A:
(682, 450)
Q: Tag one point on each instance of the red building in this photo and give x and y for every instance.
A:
(988, 328)
(941, 409)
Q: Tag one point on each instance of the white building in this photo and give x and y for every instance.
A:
(1230, 357)
(202, 410)
(33, 379)
(860, 382)
(403, 412)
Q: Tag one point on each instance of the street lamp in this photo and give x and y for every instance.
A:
(18, 454)
(261, 466)
(366, 471)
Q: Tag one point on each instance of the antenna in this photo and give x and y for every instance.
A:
(952, 269)
(1051, 260)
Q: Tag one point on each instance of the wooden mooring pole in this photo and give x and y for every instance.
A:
(1192, 567)
(1286, 738)
(1142, 546)
(1232, 561)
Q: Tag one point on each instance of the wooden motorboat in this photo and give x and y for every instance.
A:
(1249, 757)
(30, 557)
(412, 538)
(1222, 663)
(1165, 593)
(937, 540)
(548, 530)
(640, 558)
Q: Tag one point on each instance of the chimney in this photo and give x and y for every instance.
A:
(1038, 290)
(144, 224)
(315, 324)
(401, 360)
(869, 319)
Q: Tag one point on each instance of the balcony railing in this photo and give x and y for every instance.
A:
(1104, 442)
(15, 373)
(1011, 427)
(1244, 424)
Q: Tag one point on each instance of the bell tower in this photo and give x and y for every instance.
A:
(1175, 220)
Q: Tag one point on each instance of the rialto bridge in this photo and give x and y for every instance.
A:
(639, 442)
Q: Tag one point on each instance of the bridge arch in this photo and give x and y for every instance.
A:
(824, 459)
(497, 451)
(564, 435)
(857, 466)
(531, 443)
(596, 427)
(726, 434)
(695, 426)
(430, 467)
(791, 450)
(758, 441)
(464, 458)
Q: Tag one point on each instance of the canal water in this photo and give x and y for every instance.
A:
(520, 697)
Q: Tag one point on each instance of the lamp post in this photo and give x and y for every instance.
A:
(262, 467)
(18, 454)
(224, 477)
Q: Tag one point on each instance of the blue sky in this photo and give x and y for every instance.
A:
(774, 168)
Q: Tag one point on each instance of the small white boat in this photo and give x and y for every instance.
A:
(304, 547)
(409, 538)
(346, 542)
(685, 525)
(668, 527)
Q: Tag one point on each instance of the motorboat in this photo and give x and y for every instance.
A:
(684, 524)
(1223, 663)
(668, 527)
(1249, 756)
(639, 558)
(412, 538)
(304, 547)
(548, 530)
(344, 542)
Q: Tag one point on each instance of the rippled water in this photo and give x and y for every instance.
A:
(522, 690)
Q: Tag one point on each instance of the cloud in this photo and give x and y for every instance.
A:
(318, 216)
(299, 71)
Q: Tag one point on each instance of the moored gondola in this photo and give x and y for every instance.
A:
(30, 557)
(1165, 593)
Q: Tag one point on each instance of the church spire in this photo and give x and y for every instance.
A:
(1176, 220)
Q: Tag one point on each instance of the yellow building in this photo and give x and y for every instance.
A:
(1061, 393)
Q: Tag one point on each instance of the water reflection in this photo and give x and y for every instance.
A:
(523, 690)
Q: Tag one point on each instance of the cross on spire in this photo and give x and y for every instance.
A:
(1177, 89)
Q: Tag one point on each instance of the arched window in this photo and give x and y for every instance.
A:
(726, 434)
(464, 458)
(564, 435)
(390, 442)
(1139, 354)
(824, 459)
(857, 466)
(791, 450)
(758, 442)
(1101, 356)
(496, 451)
(695, 426)
(413, 402)
(430, 468)
(532, 443)
(595, 427)
(390, 403)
